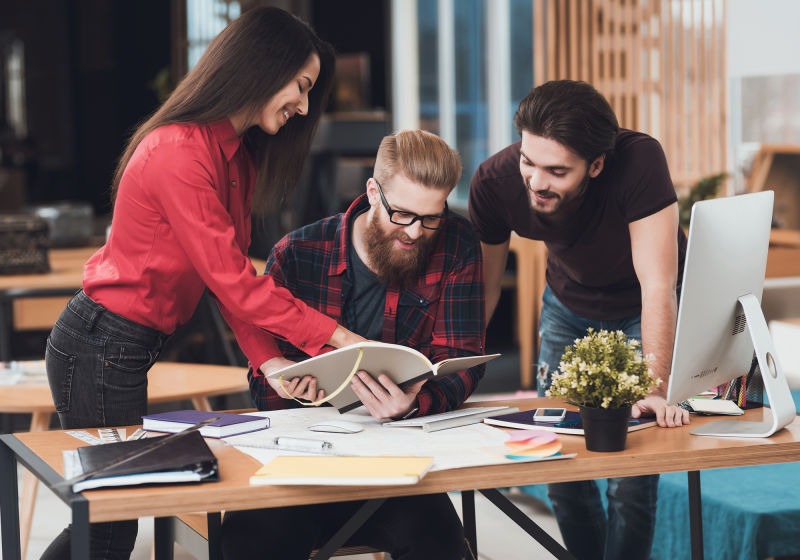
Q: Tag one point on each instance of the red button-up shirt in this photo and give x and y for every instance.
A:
(182, 223)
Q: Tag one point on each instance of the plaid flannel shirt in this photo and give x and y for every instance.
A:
(442, 315)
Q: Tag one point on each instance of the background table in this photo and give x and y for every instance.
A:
(34, 301)
(167, 382)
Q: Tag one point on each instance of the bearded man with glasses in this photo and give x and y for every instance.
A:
(397, 267)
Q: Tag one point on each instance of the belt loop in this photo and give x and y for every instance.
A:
(93, 319)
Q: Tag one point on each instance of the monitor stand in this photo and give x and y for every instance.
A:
(777, 389)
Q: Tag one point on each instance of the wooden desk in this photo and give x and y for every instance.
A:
(650, 451)
(167, 382)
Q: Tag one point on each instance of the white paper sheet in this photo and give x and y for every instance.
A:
(465, 446)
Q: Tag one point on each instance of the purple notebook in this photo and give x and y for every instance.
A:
(227, 425)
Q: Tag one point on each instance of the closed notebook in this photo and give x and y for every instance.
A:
(450, 419)
(571, 424)
(336, 470)
(227, 425)
(112, 462)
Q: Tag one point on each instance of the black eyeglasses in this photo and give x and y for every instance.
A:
(400, 218)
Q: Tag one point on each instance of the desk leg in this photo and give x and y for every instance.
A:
(527, 524)
(6, 328)
(9, 498)
(80, 529)
(201, 403)
(695, 515)
(468, 519)
(347, 530)
(40, 421)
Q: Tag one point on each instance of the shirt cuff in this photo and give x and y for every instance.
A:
(314, 332)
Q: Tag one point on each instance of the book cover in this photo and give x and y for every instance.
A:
(342, 470)
(570, 425)
(402, 364)
(227, 425)
(158, 459)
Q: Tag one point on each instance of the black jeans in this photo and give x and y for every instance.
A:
(97, 364)
(409, 528)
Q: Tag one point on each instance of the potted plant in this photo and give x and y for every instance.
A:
(603, 373)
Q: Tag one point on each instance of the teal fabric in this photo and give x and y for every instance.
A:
(749, 513)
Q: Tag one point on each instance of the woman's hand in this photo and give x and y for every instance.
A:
(297, 388)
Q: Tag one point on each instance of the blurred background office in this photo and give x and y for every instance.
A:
(716, 81)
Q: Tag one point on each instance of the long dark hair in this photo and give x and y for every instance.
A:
(572, 113)
(242, 68)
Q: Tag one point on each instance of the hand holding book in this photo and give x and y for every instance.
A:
(403, 365)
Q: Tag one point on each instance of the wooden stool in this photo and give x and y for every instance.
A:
(191, 531)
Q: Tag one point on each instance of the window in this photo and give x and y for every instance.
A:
(13, 64)
(204, 20)
(460, 68)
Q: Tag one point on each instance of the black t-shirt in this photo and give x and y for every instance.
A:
(367, 297)
(589, 263)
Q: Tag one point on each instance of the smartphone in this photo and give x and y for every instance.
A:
(549, 414)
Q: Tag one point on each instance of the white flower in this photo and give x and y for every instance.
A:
(603, 369)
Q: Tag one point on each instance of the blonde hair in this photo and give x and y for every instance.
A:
(421, 156)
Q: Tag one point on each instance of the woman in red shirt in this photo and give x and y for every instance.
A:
(231, 138)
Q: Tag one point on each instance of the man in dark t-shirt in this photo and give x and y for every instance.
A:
(602, 200)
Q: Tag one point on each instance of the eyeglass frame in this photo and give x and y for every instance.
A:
(442, 217)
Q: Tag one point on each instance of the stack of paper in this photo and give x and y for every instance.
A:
(526, 444)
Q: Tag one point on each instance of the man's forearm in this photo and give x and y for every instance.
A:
(659, 316)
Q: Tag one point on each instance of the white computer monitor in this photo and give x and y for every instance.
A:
(720, 322)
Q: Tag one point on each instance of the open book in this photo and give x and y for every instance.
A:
(402, 364)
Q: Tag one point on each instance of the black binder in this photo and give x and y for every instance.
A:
(185, 451)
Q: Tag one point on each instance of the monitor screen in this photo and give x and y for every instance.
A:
(720, 322)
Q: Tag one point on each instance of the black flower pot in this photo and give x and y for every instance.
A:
(605, 429)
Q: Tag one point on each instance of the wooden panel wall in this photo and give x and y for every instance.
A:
(660, 63)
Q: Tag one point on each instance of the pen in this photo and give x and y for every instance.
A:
(303, 444)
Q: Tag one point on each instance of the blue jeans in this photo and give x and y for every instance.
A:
(97, 364)
(626, 532)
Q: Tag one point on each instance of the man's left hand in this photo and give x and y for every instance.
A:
(382, 397)
(667, 415)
